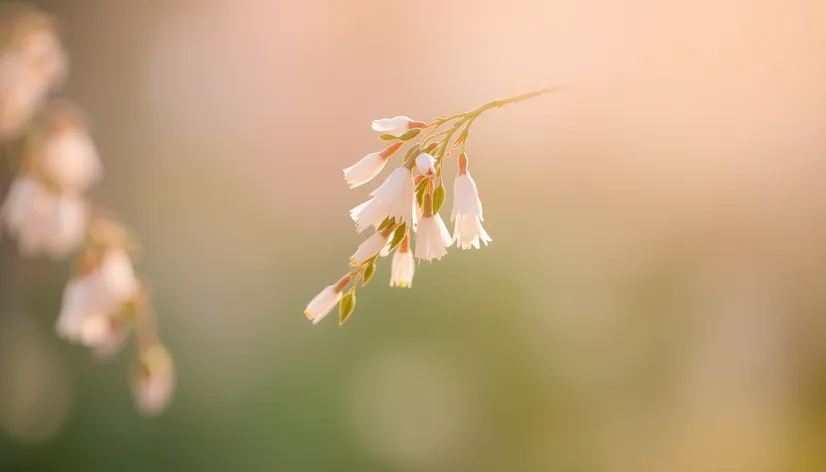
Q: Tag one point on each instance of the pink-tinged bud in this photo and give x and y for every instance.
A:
(154, 380)
(426, 165)
(396, 125)
(326, 300)
(369, 166)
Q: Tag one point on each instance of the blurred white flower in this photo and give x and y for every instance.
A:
(70, 159)
(92, 302)
(42, 221)
(154, 379)
(432, 238)
(43, 54)
(105, 334)
(20, 96)
(467, 210)
(426, 165)
(118, 275)
(32, 63)
(396, 125)
(403, 266)
(77, 304)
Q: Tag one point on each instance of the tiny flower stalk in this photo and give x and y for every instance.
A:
(409, 200)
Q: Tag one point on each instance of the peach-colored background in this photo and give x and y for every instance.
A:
(652, 301)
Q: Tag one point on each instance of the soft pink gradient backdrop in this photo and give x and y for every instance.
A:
(667, 210)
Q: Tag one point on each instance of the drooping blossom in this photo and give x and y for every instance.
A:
(369, 166)
(326, 300)
(403, 265)
(467, 210)
(396, 125)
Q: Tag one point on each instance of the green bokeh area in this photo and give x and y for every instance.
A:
(652, 300)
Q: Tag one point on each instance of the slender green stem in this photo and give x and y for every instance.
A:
(468, 118)
(521, 98)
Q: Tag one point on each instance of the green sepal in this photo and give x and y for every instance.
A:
(386, 223)
(420, 191)
(410, 134)
(368, 274)
(398, 236)
(346, 307)
(439, 194)
(412, 152)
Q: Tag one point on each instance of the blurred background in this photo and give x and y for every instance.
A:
(653, 299)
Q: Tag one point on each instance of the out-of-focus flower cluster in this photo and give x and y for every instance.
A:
(48, 142)
(408, 202)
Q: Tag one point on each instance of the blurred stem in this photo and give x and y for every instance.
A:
(146, 323)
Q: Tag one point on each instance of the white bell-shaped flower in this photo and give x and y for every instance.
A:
(394, 198)
(71, 159)
(467, 210)
(369, 166)
(154, 381)
(42, 221)
(403, 265)
(432, 238)
(93, 300)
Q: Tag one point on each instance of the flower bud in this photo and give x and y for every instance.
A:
(426, 165)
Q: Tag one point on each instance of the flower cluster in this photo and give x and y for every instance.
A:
(408, 202)
(48, 213)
